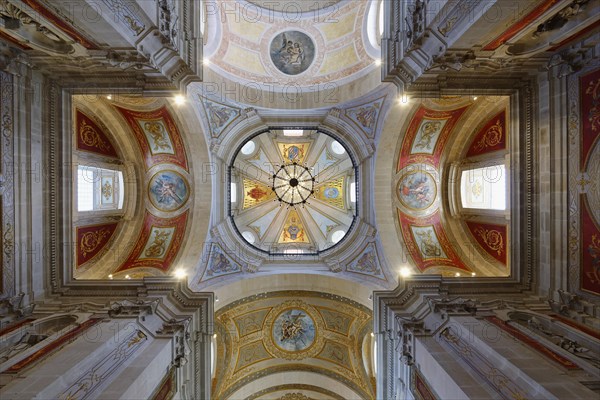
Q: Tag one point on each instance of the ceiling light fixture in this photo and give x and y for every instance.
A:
(378, 62)
(180, 274)
(109, 97)
(179, 99)
(293, 132)
(293, 184)
(403, 99)
(405, 272)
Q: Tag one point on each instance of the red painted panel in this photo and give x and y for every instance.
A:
(92, 239)
(583, 328)
(450, 259)
(60, 23)
(421, 387)
(589, 92)
(590, 250)
(449, 117)
(158, 115)
(520, 25)
(90, 137)
(166, 390)
(163, 262)
(16, 325)
(492, 238)
(523, 338)
(53, 346)
(492, 137)
(579, 35)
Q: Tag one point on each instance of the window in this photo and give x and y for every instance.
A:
(337, 236)
(248, 148)
(337, 148)
(233, 192)
(293, 132)
(99, 189)
(484, 187)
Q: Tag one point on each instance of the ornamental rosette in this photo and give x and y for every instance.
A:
(492, 238)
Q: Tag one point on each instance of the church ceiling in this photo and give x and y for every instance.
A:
(321, 46)
(279, 337)
(151, 239)
(321, 198)
(439, 136)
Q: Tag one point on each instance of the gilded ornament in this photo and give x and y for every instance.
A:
(492, 238)
(91, 240)
(137, 338)
(158, 135)
(492, 137)
(158, 246)
(594, 114)
(477, 189)
(8, 243)
(107, 190)
(295, 396)
(90, 137)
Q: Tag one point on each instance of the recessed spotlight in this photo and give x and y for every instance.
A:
(110, 276)
(457, 274)
(403, 99)
(216, 299)
(372, 334)
(473, 274)
(205, 61)
(179, 99)
(109, 97)
(127, 277)
(474, 98)
(378, 62)
(180, 273)
(215, 336)
(405, 272)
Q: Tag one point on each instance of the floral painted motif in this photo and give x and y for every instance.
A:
(492, 238)
(490, 137)
(90, 137)
(91, 240)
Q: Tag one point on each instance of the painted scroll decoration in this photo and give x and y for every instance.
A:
(491, 137)
(158, 243)
(157, 135)
(492, 238)
(91, 240)
(91, 137)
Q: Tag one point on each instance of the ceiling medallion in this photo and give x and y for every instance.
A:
(293, 184)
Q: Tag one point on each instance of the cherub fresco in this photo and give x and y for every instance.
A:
(292, 52)
(417, 190)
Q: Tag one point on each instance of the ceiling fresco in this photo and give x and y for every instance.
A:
(443, 135)
(148, 242)
(322, 206)
(276, 337)
(301, 45)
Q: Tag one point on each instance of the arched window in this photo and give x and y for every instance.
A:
(484, 187)
(99, 188)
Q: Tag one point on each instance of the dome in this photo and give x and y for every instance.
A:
(292, 193)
